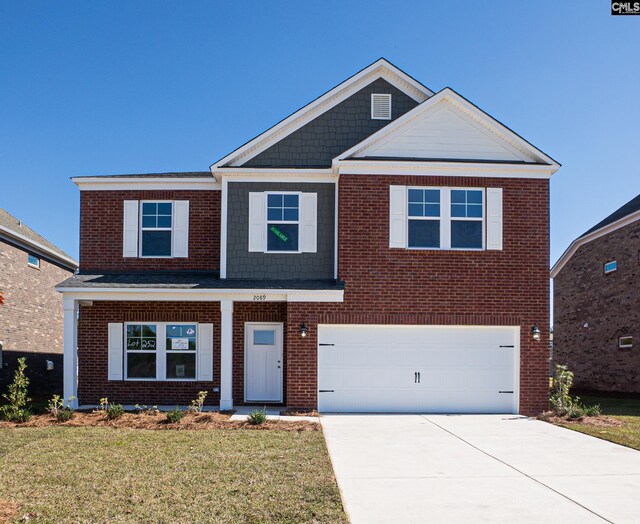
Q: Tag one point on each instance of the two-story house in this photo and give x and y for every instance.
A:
(384, 248)
(596, 304)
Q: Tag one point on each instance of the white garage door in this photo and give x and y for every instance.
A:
(430, 369)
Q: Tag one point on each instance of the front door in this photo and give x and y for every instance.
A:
(263, 362)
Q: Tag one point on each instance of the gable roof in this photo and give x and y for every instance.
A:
(15, 231)
(516, 149)
(621, 217)
(379, 69)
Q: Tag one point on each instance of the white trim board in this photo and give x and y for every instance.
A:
(145, 183)
(579, 242)
(38, 249)
(203, 295)
(473, 114)
(379, 69)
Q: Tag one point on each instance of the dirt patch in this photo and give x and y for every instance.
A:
(600, 421)
(8, 510)
(158, 421)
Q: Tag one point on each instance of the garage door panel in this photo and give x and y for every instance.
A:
(373, 368)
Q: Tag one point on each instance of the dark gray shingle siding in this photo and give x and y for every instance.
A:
(335, 131)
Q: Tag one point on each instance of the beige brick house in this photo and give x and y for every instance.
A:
(31, 313)
(597, 304)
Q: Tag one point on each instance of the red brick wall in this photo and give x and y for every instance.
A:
(101, 215)
(396, 286)
(31, 318)
(592, 310)
(93, 343)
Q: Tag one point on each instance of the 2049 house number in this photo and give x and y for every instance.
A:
(259, 298)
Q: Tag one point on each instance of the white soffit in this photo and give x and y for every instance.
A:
(447, 127)
(379, 69)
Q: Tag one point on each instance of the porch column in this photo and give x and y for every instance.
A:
(226, 355)
(70, 367)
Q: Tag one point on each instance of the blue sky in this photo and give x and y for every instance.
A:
(91, 88)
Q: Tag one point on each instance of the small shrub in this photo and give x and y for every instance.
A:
(114, 411)
(561, 400)
(104, 404)
(57, 408)
(257, 417)
(175, 415)
(592, 411)
(17, 409)
(145, 410)
(196, 405)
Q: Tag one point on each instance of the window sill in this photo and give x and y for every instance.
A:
(160, 380)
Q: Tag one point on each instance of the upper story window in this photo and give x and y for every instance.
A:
(610, 267)
(33, 261)
(155, 230)
(444, 218)
(283, 222)
(380, 106)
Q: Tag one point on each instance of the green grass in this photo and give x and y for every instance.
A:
(626, 411)
(113, 475)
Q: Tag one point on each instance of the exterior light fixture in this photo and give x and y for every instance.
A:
(303, 330)
(535, 332)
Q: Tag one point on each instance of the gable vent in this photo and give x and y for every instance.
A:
(380, 107)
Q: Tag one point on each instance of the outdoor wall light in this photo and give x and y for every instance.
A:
(303, 330)
(535, 332)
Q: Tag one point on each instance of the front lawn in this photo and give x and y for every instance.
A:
(620, 422)
(104, 474)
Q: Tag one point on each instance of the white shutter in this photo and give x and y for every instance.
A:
(309, 222)
(257, 222)
(115, 351)
(205, 352)
(180, 229)
(494, 218)
(397, 216)
(130, 232)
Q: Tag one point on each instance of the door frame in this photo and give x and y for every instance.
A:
(279, 344)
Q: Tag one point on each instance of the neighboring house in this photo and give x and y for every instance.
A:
(384, 248)
(31, 313)
(596, 304)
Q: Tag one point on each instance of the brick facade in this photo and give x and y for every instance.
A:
(101, 231)
(592, 310)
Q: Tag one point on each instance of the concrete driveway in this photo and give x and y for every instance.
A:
(478, 468)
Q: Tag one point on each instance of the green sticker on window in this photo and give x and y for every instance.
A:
(279, 233)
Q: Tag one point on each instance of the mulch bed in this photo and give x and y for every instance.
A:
(294, 413)
(158, 421)
(599, 421)
(8, 510)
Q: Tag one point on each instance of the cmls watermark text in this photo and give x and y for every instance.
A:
(625, 8)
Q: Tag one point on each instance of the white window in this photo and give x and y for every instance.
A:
(283, 222)
(445, 218)
(156, 229)
(625, 342)
(33, 261)
(610, 267)
(380, 106)
(161, 351)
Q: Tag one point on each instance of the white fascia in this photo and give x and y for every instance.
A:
(243, 174)
(145, 183)
(579, 242)
(379, 69)
(435, 168)
(202, 295)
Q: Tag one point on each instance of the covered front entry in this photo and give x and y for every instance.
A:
(264, 362)
(429, 369)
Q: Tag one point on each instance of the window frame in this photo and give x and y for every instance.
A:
(446, 219)
(625, 346)
(161, 352)
(615, 268)
(34, 266)
(267, 221)
(141, 229)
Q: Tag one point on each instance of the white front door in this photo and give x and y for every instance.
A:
(263, 362)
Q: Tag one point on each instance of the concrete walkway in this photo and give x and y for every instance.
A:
(478, 468)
